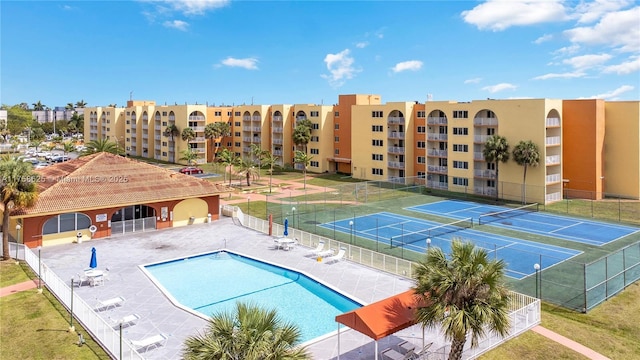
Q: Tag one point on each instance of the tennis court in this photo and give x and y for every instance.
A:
(530, 220)
(411, 234)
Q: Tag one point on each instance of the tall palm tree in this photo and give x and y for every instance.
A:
(301, 157)
(227, 158)
(81, 104)
(216, 130)
(302, 133)
(466, 294)
(269, 160)
(189, 156)
(18, 190)
(258, 154)
(70, 106)
(526, 153)
(171, 132)
(496, 150)
(249, 169)
(249, 333)
(188, 134)
(39, 106)
(102, 145)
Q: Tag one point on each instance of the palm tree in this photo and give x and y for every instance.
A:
(81, 104)
(36, 144)
(227, 158)
(258, 155)
(496, 150)
(68, 147)
(465, 292)
(39, 106)
(302, 133)
(526, 153)
(270, 160)
(215, 130)
(70, 106)
(188, 134)
(248, 168)
(249, 333)
(18, 189)
(301, 157)
(102, 145)
(189, 156)
(171, 132)
(37, 134)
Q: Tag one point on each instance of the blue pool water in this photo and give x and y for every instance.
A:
(214, 282)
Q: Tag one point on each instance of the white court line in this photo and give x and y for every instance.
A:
(566, 227)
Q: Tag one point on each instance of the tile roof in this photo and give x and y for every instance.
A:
(104, 180)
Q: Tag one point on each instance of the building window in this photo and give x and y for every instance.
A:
(421, 175)
(375, 171)
(336, 127)
(315, 126)
(164, 123)
(164, 113)
(460, 164)
(460, 114)
(421, 114)
(237, 133)
(314, 151)
(128, 131)
(421, 160)
(491, 114)
(460, 131)
(336, 139)
(376, 114)
(228, 143)
(217, 113)
(376, 142)
(237, 144)
(336, 151)
(422, 129)
(491, 131)
(491, 183)
(314, 114)
(314, 164)
(460, 181)
(421, 145)
(128, 122)
(460, 148)
(336, 114)
(164, 143)
(314, 139)
(237, 113)
(164, 153)
(377, 157)
(237, 123)
(377, 128)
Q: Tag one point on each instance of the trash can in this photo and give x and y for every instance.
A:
(79, 237)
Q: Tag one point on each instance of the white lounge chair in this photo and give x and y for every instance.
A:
(424, 353)
(127, 320)
(109, 303)
(150, 342)
(336, 257)
(82, 279)
(96, 280)
(394, 355)
(325, 253)
(318, 249)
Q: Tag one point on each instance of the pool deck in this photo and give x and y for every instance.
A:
(123, 255)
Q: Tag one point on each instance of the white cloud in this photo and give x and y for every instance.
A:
(624, 68)
(568, 75)
(340, 67)
(247, 63)
(362, 45)
(473, 81)
(176, 24)
(192, 7)
(618, 29)
(567, 50)
(543, 38)
(583, 62)
(499, 87)
(412, 65)
(587, 12)
(612, 95)
(499, 15)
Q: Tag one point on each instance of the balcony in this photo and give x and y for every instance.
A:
(198, 150)
(395, 165)
(395, 120)
(246, 118)
(553, 178)
(246, 128)
(201, 161)
(552, 160)
(552, 122)
(158, 137)
(277, 130)
(478, 156)
(485, 174)
(277, 152)
(481, 139)
(436, 120)
(246, 149)
(437, 185)
(246, 139)
(145, 126)
(552, 141)
(256, 118)
(256, 129)
(437, 137)
(277, 118)
(257, 140)
(437, 153)
(196, 118)
(198, 128)
(396, 135)
(485, 121)
(489, 191)
(277, 141)
(145, 136)
(199, 139)
(396, 150)
(437, 169)
(551, 197)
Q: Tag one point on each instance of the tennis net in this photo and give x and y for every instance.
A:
(505, 214)
(436, 231)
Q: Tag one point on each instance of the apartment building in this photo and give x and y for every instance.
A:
(587, 147)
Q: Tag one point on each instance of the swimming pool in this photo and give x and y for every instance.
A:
(214, 282)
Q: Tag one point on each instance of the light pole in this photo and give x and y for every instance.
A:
(71, 327)
(536, 266)
(350, 231)
(39, 270)
(293, 213)
(428, 243)
(18, 227)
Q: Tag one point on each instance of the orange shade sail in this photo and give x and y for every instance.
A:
(385, 317)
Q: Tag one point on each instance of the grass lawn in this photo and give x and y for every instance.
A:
(35, 326)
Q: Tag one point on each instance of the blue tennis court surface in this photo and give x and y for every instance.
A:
(561, 227)
(520, 255)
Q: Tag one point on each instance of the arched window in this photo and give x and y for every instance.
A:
(66, 222)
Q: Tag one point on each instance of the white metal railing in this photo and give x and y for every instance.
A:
(553, 197)
(246, 128)
(435, 152)
(436, 136)
(395, 120)
(552, 122)
(246, 139)
(198, 150)
(552, 160)
(277, 152)
(478, 155)
(196, 118)
(490, 174)
(552, 178)
(199, 139)
(158, 137)
(396, 149)
(396, 135)
(396, 164)
(277, 130)
(481, 138)
(436, 120)
(256, 129)
(201, 161)
(277, 141)
(246, 149)
(552, 140)
(485, 121)
(437, 184)
(484, 190)
(256, 118)
(198, 128)
(246, 118)
(277, 118)
(438, 169)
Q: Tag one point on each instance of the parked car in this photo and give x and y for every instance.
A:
(40, 165)
(33, 161)
(190, 170)
(59, 158)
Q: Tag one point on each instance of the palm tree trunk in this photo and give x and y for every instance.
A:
(248, 179)
(524, 185)
(497, 182)
(5, 233)
(304, 178)
(457, 346)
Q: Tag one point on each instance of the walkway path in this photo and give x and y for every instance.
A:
(12, 289)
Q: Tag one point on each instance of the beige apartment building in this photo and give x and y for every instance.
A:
(435, 143)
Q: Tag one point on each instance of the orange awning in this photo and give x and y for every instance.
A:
(384, 317)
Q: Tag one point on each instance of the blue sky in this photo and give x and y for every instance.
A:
(293, 52)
